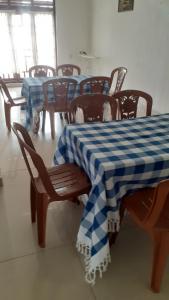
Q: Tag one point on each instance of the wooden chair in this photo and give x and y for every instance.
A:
(68, 70)
(59, 183)
(42, 71)
(120, 74)
(95, 85)
(57, 98)
(149, 208)
(128, 103)
(93, 107)
(9, 102)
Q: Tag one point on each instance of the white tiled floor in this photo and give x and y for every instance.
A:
(28, 272)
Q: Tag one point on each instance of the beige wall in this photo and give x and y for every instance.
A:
(138, 40)
(73, 29)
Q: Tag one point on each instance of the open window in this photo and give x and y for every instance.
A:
(27, 36)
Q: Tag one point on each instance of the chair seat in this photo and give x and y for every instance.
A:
(68, 181)
(19, 101)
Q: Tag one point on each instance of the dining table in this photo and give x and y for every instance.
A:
(32, 90)
(119, 157)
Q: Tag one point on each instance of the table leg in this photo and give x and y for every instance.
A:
(36, 120)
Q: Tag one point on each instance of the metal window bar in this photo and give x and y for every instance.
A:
(27, 5)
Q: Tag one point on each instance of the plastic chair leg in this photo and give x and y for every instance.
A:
(159, 260)
(42, 206)
(33, 202)
(43, 119)
(52, 125)
(7, 109)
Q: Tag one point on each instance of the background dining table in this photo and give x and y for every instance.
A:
(32, 90)
(119, 157)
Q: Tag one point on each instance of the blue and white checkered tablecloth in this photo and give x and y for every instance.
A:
(32, 90)
(119, 157)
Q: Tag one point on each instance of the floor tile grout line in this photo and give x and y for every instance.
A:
(33, 253)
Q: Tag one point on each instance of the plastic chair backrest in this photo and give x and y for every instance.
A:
(5, 92)
(94, 107)
(26, 146)
(128, 103)
(42, 71)
(59, 91)
(95, 85)
(160, 197)
(120, 74)
(68, 70)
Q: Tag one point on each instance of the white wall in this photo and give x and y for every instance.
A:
(138, 40)
(73, 30)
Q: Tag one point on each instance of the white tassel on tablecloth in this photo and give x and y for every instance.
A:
(107, 116)
(79, 117)
(90, 276)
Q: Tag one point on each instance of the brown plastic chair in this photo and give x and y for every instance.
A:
(59, 183)
(93, 107)
(149, 208)
(68, 70)
(56, 97)
(95, 85)
(42, 71)
(9, 102)
(120, 74)
(128, 103)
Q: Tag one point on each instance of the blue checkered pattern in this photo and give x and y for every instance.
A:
(119, 157)
(32, 90)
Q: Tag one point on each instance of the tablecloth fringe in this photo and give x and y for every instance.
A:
(90, 276)
(83, 249)
(113, 226)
